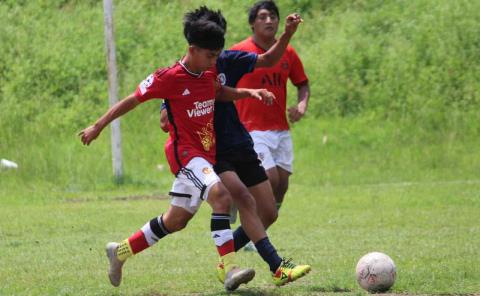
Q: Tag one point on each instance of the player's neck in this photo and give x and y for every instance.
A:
(187, 63)
(263, 41)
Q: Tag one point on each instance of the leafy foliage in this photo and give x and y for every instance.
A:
(414, 64)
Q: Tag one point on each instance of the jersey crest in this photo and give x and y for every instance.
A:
(206, 135)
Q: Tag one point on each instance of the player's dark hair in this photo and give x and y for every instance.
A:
(265, 4)
(205, 28)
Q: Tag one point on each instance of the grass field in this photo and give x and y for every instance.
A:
(341, 205)
(430, 229)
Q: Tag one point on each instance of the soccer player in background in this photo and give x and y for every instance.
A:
(189, 90)
(268, 125)
(237, 163)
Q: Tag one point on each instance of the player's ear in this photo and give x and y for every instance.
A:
(191, 49)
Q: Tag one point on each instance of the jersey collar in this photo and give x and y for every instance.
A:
(258, 46)
(188, 71)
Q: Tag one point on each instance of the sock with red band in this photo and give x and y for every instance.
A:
(223, 237)
(147, 236)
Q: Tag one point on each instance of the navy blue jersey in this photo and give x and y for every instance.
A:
(229, 130)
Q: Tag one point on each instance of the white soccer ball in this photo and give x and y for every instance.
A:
(376, 272)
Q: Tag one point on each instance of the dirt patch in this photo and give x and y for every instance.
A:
(119, 198)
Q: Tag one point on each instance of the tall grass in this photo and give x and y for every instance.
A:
(384, 75)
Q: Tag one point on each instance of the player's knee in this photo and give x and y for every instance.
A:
(220, 200)
(270, 217)
(282, 189)
(179, 223)
(175, 223)
(245, 201)
(273, 179)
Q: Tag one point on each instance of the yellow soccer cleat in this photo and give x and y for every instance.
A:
(221, 271)
(289, 272)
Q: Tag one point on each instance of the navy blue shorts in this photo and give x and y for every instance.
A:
(245, 163)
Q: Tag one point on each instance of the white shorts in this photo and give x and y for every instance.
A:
(192, 184)
(274, 148)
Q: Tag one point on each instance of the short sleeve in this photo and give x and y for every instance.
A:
(234, 64)
(155, 86)
(217, 84)
(297, 74)
(241, 60)
(163, 106)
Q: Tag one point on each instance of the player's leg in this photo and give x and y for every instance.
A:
(287, 271)
(283, 271)
(249, 172)
(220, 201)
(217, 196)
(282, 155)
(252, 227)
(279, 179)
(274, 179)
(265, 201)
(246, 206)
(265, 144)
(157, 228)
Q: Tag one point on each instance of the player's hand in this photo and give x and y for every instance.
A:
(297, 112)
(89, 134)
(291, 23)
(263, 95)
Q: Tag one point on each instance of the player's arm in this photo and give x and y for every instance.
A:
(273, 55)
(297, 112)
(164, 120)
(229, 94)
(120, 108)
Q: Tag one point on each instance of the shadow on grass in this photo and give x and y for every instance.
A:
(311, 290)
(332, 289)
(119, 198)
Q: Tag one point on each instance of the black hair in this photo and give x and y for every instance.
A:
(265, 4)
(205, 28)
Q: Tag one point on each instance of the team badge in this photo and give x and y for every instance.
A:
(285, 65)
(146, 84)
(222, 78)
(207, 136)
(207, 170)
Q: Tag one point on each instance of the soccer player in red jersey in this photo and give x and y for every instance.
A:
(189, 90)
(268, 125)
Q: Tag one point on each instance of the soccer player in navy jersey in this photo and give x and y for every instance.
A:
(237, 163)
(189, 90)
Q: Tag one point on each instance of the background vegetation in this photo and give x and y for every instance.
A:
(391, 137)
(401, 71)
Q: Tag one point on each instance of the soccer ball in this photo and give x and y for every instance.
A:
(376, 272)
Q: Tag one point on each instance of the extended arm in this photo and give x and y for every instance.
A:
(229, 94)
(91, 133)
(273, 55)
(297, 112)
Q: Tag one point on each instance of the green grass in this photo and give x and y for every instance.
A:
(415, 198)
(430, 229)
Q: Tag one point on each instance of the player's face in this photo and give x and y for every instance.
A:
(265, 24)
(205, 58)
